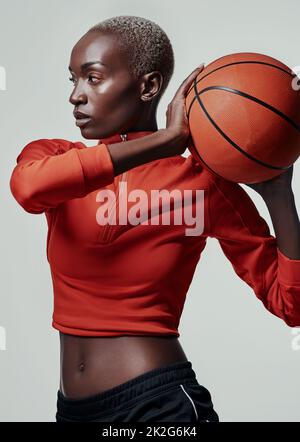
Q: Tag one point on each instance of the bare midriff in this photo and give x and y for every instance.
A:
(92, 365)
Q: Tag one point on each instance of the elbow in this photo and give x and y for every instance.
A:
(290, 306)
(285, 306)
(283, 300)
(23, 194)
(292, 320)
(291, 317)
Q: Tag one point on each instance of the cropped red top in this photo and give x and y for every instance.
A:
(132, 279)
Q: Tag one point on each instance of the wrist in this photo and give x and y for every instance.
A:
(173, 142)
(128, 154)
(281, 194)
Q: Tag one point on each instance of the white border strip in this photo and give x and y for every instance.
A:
(190, 400)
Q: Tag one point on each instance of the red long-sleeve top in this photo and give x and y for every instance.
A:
(129, 279)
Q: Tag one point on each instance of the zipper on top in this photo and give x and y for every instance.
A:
(112, 210)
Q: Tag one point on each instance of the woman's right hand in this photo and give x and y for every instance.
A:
(166, 142)
(177, 124)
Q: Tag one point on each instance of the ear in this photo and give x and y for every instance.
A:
(150, 85)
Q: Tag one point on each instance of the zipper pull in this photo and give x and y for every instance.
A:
(124, 174)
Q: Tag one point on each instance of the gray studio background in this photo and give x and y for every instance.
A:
(247, 358)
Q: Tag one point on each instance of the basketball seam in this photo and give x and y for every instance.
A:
(230, 141)
(252, 98)
(240, 62)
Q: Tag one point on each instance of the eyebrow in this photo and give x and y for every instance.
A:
(89, 63)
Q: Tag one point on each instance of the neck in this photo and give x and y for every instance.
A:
(141, 127)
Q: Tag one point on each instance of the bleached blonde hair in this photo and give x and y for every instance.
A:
(144, 43)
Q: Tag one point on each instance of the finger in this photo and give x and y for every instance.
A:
(191, 77)
(187, 82)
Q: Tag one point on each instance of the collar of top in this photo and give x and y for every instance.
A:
(117, 138)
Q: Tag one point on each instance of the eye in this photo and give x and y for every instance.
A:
(95, 78)
(90, 77)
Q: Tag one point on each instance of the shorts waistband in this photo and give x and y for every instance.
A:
(156, 381)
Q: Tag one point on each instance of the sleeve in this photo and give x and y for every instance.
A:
(51, 171)
(245, 239)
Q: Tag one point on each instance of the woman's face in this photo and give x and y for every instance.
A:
(104, 90)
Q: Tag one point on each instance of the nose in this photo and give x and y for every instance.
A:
(77, 96)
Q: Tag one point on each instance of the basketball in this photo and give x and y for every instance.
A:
(244, 117)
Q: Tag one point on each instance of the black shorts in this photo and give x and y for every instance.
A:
(166, 394)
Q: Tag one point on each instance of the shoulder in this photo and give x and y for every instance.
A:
(41, 147)
(192, 171)
(231, 192)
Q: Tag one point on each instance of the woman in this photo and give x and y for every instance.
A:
(119, 288)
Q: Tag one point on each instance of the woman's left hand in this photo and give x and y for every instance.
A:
(282, 182)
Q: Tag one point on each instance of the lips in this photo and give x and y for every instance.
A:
(80, 115)
(82, 121)
(81, 118)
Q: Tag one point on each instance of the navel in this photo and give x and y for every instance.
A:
(81, 367)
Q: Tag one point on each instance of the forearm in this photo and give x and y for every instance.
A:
(128, 154)
(285, 221)
(51, 171)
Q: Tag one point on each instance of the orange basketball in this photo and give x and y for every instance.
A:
(244, 117)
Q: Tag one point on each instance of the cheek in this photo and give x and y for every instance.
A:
(118, 103)
(125, 110)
